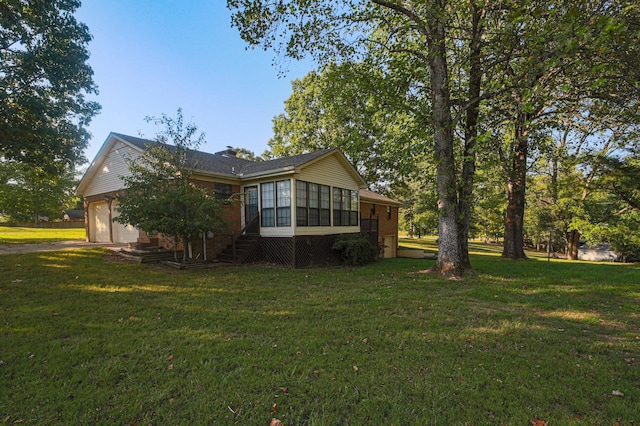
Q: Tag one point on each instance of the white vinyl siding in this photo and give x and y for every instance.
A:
(329, 171)
(108, 177)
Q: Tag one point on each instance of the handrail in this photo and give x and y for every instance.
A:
(255, 220)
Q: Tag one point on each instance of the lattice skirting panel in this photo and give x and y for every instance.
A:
(296, 252)
(278, 250)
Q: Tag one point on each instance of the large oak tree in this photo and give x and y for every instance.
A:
(436, 44)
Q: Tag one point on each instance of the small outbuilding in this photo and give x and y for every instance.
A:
(73, 215)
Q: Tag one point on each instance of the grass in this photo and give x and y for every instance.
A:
(16, 235)
(86, 339)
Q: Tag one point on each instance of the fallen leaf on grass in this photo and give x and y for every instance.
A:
(275, 408)
(170, 357)
(275, 422)
(617, 393)
(536, 422)
(284, 390)
(170, 367)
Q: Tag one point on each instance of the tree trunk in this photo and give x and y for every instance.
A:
(449, 261)
(573, 241)
(513, 247)
(175, 248)
(465, 197)
(185, 247)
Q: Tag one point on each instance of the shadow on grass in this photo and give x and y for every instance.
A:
(89, 340)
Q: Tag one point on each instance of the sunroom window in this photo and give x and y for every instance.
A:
(276, 203)
(313, 204)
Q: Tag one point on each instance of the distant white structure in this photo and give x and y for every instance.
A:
(598, 253)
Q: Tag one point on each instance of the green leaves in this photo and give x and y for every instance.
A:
(161, 194)
(28, 192)
(44, 78)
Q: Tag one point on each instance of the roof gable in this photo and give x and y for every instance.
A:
(221, 165)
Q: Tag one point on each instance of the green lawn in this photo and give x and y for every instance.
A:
(430, 245)
(85, 339)
(15, 235)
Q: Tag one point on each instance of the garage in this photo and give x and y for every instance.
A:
(99, 230)
(122, 233)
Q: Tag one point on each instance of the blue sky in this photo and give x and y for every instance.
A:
(153, 57)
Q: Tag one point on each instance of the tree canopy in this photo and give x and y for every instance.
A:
(28, 193)
(480, 77)
(412, 39)
(44, 83)
(356, 107)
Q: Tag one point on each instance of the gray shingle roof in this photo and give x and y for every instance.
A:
(222, 164)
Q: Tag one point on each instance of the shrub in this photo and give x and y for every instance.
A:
(355, 249)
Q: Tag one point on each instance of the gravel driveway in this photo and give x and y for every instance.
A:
(60, 245)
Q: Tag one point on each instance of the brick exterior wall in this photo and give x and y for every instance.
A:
(387, 221)
(215, 245)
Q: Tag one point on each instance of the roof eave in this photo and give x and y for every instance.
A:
(268, 173)
(379, 201)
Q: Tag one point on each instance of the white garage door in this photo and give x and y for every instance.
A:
(99, 222)
(122, 233)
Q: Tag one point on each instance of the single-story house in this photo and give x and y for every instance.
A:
(73, 215)
(289, 210)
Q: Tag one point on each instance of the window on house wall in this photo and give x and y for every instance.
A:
(283, 203)
(337, 207)
(302, 204)
(223, 191)
(313, 204)
(345, 207)
(388, 212)
(325, 205)
(276, 203)
(354, 208)
(267, 195)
